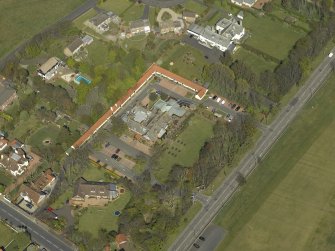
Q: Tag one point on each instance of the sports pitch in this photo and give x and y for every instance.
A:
(289, 202)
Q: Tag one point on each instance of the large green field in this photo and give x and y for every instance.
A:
(184, 150)
(288, 203)
(20, 20)
(270, 35)
(15, 241)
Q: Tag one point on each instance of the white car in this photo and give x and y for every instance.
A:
(330, 54)
(223, 101)
(218, 100)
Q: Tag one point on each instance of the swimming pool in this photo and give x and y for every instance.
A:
(81, 79)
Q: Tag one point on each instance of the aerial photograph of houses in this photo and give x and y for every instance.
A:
(167, 125)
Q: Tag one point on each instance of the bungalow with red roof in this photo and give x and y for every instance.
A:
(151, 71)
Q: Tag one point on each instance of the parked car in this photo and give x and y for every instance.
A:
(218, 100)
(233, 106)
(237, 108)
(202, 238)
(214, 97)
(196, 245)
(223, 101)
(229, 118)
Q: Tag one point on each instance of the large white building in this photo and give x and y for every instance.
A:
(226, 33)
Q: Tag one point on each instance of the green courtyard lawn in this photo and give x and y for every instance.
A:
(16, 241)
(95, 218)
(288, 203)
(256, 62)
(194, 6)
(16, 26)
(187, 61)
(270, 35)
(185, 148)
(116, 6)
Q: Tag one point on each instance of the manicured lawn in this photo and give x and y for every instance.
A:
(185, 148)
(187, 61)
(94, 173)
(195, 6)
(18, 241)
(134, 12)
(271, 36)
(289, 202)
(20, 20)
(61, 200)
(48, 132)
(103, 217)
(116, 6)
(257, 63)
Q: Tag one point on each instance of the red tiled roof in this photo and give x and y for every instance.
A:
(153, 69)
(179, 79)
(120, 238)
(93, 128)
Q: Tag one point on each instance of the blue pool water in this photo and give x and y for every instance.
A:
(81, 78)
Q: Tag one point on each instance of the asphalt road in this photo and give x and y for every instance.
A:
(213, 236)
(249, 163)
(40, 234)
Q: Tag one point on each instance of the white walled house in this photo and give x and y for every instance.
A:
(223, 36)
